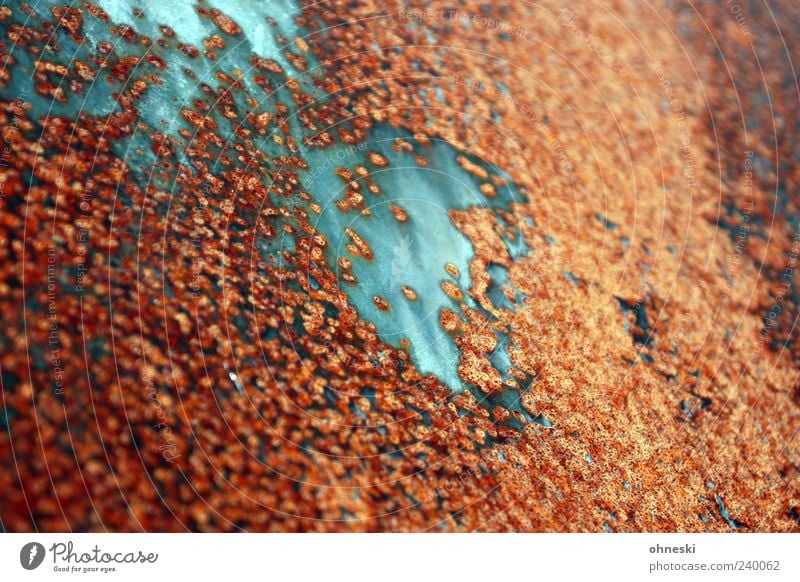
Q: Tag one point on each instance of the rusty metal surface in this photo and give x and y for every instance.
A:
(423, 267)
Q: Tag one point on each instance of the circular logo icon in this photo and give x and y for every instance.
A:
(31, 555)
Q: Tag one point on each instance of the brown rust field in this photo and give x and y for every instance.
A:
(184, 348)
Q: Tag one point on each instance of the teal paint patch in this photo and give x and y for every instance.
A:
(413, 253)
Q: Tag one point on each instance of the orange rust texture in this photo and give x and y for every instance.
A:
(599, 147)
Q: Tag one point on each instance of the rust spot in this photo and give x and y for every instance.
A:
(381, 303)
(452, 290)
(399, 214)
(410, 294)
